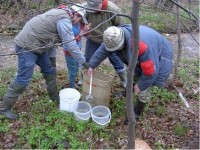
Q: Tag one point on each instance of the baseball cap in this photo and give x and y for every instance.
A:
(113, 38)
(80, 11)
(93, 4)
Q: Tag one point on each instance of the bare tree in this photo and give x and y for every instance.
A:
(178, 58)
(131, 68)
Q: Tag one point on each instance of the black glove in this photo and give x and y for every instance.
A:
(86, 65)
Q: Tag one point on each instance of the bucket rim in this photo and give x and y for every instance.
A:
(109, 112)
(98, 123)
(81, 119)
(85, 103)
(76, 113)
(111, 77)
(100, 106)
(77, 95)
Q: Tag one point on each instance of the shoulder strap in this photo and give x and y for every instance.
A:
(64, 7)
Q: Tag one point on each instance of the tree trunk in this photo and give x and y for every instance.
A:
(131, 68)
(178, 58)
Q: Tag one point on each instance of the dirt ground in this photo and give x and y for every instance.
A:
(190, 49)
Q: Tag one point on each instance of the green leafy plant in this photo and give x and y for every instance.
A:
(160, 110)
(4, 125)
(180, 129)
(7, 73)
(159, 146)
(36, 76)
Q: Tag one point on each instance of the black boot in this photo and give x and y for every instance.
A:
(53, 62)
(123, 79)
(80, 81)
(138, 109)
(10, 98)
(51, 86)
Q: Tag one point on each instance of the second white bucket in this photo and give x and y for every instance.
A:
(101, 115)
(69, 99)
(82, 113)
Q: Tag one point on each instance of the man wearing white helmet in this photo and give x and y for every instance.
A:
(155, 58)
(32, 45)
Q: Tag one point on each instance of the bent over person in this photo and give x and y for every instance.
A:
(155, 58)
(32, 45)
(96, 36)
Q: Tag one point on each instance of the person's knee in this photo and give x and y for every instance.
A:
(50, 71)
(145, 96)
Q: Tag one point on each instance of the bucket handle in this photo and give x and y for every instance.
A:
(102, 124)
(82, 118)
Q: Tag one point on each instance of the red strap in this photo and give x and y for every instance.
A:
(67, 53)
(64, 7)
(82, 27)
(143, 47)
(92, 84)
(104, 5)
(78, 38)
(147, 67)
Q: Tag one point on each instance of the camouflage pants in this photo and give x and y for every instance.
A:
(145, 96)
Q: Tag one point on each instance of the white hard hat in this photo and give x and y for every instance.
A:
(113, 38)
(81, 11)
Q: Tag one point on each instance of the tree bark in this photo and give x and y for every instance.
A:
(130, 75)
(178, 58)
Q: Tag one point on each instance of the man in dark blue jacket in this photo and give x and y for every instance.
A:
(155, 58)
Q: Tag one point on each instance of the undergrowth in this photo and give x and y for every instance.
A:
(43, 126)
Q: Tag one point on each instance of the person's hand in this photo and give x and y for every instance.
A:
(85, 65)
(86, 28)
(90, 72)
(136, 89)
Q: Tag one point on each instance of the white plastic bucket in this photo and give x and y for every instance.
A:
(82, 113)
(69, 99)
(101, 115)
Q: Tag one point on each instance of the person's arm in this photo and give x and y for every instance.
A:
(84, 29)
(149, 72)
(64, 28)
(99, 56)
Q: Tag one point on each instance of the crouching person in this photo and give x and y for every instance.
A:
(33, 45)
(155, 58)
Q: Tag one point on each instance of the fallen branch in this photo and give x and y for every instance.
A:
(182, 97)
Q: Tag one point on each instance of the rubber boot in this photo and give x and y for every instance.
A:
(51, 86)
(123, 79)
(138, 109)
(53, 62)
(80, 81)
(10, 98)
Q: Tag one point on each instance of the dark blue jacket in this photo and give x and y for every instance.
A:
(154, 63)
